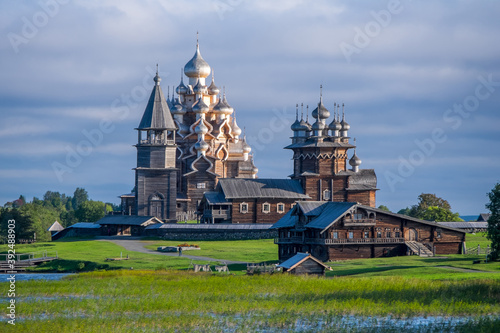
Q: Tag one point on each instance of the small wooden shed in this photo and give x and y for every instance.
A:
(304, 263)
(55, 228)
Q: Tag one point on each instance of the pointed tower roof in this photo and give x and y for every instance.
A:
(157, 114)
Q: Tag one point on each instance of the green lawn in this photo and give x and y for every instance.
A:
(255, 251)
(473, 240)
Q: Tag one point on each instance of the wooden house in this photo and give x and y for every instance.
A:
(239, 200)
(125, 225)
(55, 228)
(303, 263)
(349, 230)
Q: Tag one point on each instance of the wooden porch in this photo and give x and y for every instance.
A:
(339, 241)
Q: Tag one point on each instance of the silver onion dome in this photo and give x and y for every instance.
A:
(197, 66)
(213, 89)
(236, 130)
(181, 88)
(355, 160)
(200, 106)
(228, 108)
(201, 128)
(321, 111)
(198, 88)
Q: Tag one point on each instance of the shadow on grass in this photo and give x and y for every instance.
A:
(344, 272)
(67, 266)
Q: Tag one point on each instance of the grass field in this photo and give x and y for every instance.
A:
(450, 293)
(171, 300)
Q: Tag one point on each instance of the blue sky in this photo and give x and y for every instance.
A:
(420, 82)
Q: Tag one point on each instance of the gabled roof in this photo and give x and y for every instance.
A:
(56, 226)
(84, 225)
(331, 212)
(129, 220)
(325, 213)
(157, 114)
(483, 217)
(465, 225)
(215, 198)
(240, 188)
(287, 221)
(298, 259)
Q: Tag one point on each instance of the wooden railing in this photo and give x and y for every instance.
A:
(30, 255)
(359, 222)
(298, 240)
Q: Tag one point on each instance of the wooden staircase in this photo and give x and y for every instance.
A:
(419, 249)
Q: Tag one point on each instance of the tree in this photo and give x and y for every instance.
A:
(90, 211)
(79, 197)
(431, 208)
(439, 214)
(493, 232)
(382, 207)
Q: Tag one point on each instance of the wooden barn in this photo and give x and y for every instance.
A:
(240, 200)
(349, 230)
(303, 263)
(126, 225)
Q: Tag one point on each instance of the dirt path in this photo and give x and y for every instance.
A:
(136, 245)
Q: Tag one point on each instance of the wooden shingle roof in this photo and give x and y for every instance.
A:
(297, 259)
(157, 114)
(236, 188)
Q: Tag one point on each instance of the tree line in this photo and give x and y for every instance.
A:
(35, 217)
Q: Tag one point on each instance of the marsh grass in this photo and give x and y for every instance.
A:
(177, 300)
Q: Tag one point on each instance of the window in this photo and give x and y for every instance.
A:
(379, 234)
(351, 234)
(327, 195)
(243, 208)
(388, 234)
(280, 208)
(200, 185)
(397, 234)
(367, 234)
(335, 235)
(438, 233)
(358, 216)
(266, 208)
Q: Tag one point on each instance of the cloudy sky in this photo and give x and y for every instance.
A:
(420, 81)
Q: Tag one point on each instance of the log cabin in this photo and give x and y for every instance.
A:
(350, 230)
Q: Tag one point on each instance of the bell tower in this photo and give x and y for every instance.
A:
(320, 159)
(155, 174)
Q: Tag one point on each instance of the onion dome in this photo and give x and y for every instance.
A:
(177, 107)
(255, 170)
(198, 88)
(157, 78)
(201, 128)
(345, 125)
(236, 131)
(181, 88)
(335, 125)
(200, 106)
(228, 109)
(318, 126)
(246, 147)
(201, 146)
(321, 111)
(355, 161)
(183, 129)
(219, 106)
(296, 125)
(213, 89)
(197, 66)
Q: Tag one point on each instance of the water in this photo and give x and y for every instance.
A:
(35, 276)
